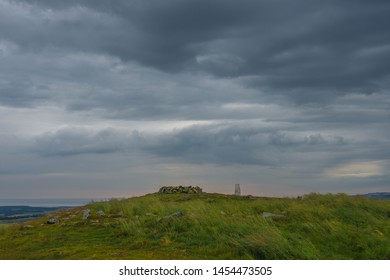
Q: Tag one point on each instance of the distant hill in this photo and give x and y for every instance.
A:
(378, 195)
(19, 213)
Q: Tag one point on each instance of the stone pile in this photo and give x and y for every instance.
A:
(180, 189)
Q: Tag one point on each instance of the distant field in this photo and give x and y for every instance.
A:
(207, 226)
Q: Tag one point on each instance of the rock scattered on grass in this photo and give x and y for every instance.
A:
(26, 226)
(100, 213)
(150, 214)
(53, 220)
(176, 214)
(86, 213)
(117, 215)
(270, 215)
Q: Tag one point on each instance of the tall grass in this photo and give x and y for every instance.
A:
(213, 226)
(318, 226)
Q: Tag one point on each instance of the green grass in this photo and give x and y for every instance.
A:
(214, 226)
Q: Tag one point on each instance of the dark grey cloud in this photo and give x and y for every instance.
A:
(69, 142)
(308, 51)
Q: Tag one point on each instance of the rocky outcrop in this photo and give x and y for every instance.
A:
(180, 189)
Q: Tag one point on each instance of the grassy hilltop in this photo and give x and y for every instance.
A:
(207, 226)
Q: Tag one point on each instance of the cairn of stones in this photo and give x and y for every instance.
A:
(180, 189)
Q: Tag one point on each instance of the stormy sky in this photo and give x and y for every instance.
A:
(117, 98)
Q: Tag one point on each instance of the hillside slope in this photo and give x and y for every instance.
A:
(207, 226)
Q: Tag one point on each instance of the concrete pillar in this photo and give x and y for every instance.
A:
(237, 190)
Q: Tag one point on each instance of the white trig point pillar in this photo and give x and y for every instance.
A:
(237, 190)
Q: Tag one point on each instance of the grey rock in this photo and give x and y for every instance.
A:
(270, 215)
(150, 214)
(53, 220)
(101, 213)
(175, 215)
(119, 214)
(86, 214)
(27, 226)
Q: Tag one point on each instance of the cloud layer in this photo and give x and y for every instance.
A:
(289, 94)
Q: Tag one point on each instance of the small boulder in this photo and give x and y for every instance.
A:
(53, 220)
(26, 226)
(150, 214)
(101, 213)
(119, 214)
(86, 213)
